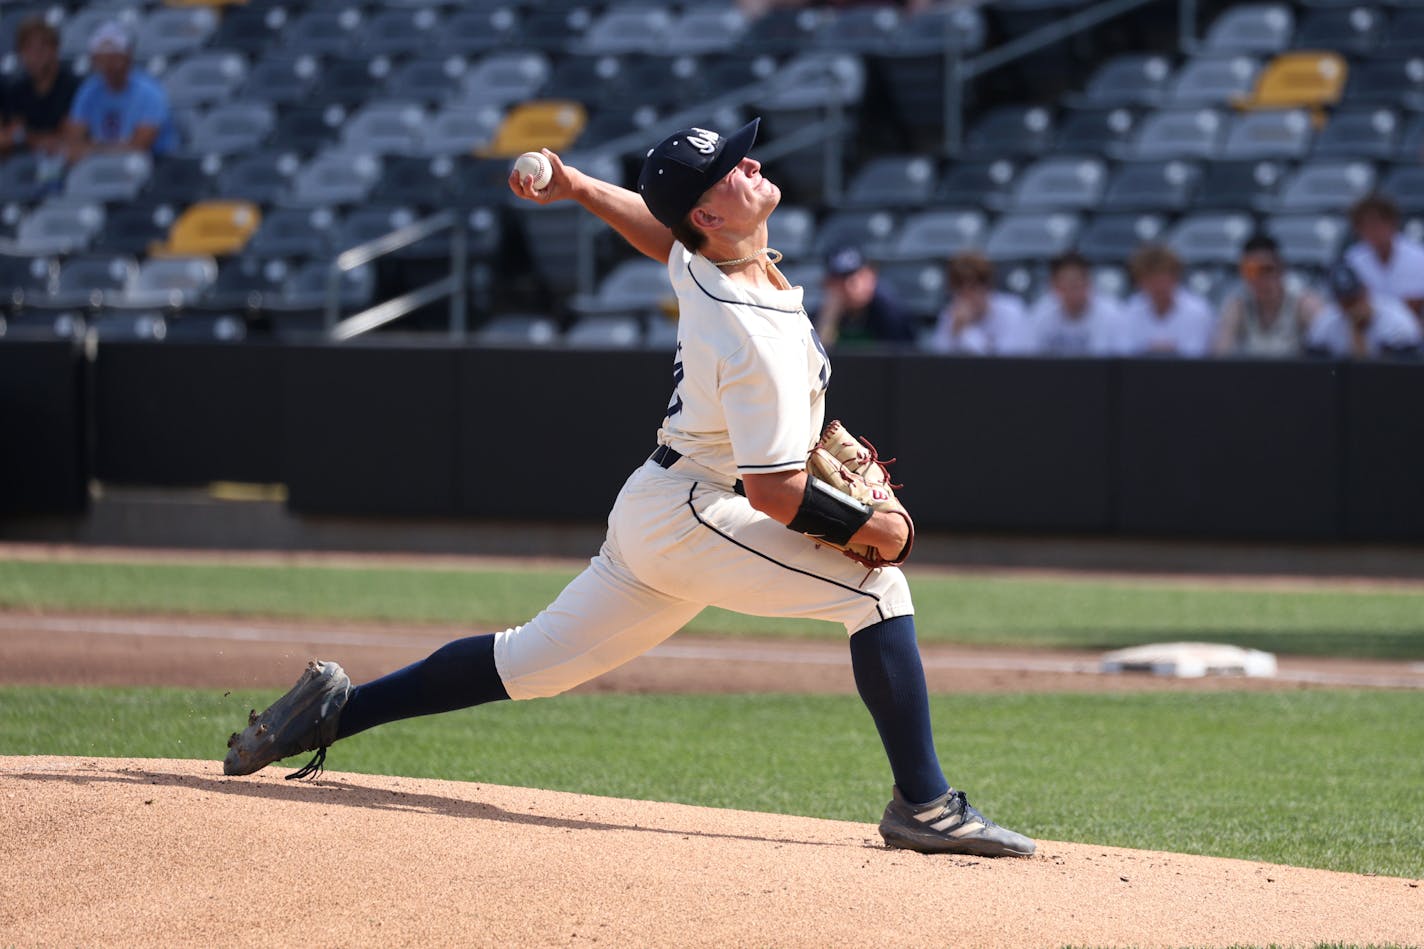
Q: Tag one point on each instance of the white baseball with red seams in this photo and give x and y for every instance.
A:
(536, 166)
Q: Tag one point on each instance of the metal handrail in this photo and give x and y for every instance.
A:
(379, 315)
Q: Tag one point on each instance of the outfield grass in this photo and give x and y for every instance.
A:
(1082, 613)
(1314, 778)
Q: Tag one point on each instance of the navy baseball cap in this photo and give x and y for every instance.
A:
(680, 168)
(1345, 284)
(844, 261)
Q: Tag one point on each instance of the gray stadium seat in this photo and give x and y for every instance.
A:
(792, 230)
(1395, 82)
(937, 235)
(385, 128)
(468, 32)
(130, 327)
(1129, 79)
(1328, 185)
(634, 286)
(429, 81)
(108, 176)
(1212, 80)
(1411, 141)
(75, 30)
(306, 288)
(245, 284)
(554, 28)
(710, 28)
(232, 128)
(262, 178)
(1251, 28)
(896, 181)
(206, 327)
(1094, 131)
(1309, 240)
(131, 228)
(866, 31)
(58, 228)
(401, 32)
(1210, 237)
(1177, 133)
(171, 282)
(1111, 282)
(1060, 184)
(324, 32)
(783, 30)
(936, 28)
(1402, 37)
(249, 29)
(1354, 30)
(333, 178)
(83, 280)
(204, 79)
(814, 80)
(1031, 236)
(517, 329)
(293, 233)
(1231, 185)
(1283, 133)
(504, 78)
(1211, 282)
(1112, 238)
(173, 31)
(975, 182)
(605, 332)
(871, 231)
(918, 285)
(1011, 131)
(183, 179)
(627, 29)
(1152, 185)
(1359, 133)
(809, 275)
(282, 81)
(368, 223)
(1405, 185)
(660, 333)
(597, 81)
(20, 178)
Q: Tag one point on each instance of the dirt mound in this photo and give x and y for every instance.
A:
(110, 851)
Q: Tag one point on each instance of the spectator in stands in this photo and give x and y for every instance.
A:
(1362, 323)
(979, 321)
(1162, 317)
(34, 106)
(1071, 319)
(118, 108)
(856, 307)
(1264, 317)
(1386, 260)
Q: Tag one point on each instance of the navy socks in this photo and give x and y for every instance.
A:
(457, 675)
(891, 680)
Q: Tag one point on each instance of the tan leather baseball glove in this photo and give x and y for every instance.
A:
(852, 465)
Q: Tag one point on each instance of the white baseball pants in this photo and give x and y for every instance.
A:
(678, 540)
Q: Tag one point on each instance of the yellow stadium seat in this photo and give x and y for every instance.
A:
(1299, 80)
(211, 227)
(547, 123)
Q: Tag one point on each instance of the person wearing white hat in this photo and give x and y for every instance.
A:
(118, 107)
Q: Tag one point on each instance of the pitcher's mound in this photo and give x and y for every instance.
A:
(110, 852)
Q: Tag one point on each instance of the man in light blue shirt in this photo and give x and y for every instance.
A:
(118, 108)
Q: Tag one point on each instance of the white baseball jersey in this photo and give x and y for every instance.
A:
(748, 398)
(1186, 329)
(1089, 333)
(1402, 278)
(1003, 331)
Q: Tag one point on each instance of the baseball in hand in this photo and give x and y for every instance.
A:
(536, 165)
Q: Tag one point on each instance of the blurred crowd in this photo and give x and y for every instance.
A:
(1370, 304)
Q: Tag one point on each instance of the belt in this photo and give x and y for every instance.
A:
(665, 457)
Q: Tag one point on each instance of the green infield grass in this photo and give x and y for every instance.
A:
(1082, 613)
(1312, 778)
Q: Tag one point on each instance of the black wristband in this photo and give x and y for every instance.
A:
(831, 515)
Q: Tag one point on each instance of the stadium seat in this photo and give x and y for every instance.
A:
(1094, 131)
(83, 280)
(625, 29)
(232, 128)
(1031, 236)
(551, 123)
(918, 285)
(1298, 79)
(244, 284)
(262, 178)
(401, 32)
(368, 223)
(324, 31)
(1210, 237)
(1309, 240)
(1176, 133)
(517, 329)
(467, 32)
(211, 228)
(554, 28)
(204, 79)
(308, 129)
(866, 30)
(306, 289)
(671, 80)
(1011, 131)
(25, 278)
(871, 231)
(129, 327)
(503, 78)
(75, 30)
(1405, 185)
(1024, 280)
(1327, 185)
(57, 228)
(20, 181)
(1211, 282)
(1392, 82)
(385, 128)
(1212, 80)
(1411, 142)
(897, 181)
(108, 176)
(1112, 238)
(1127, 79)
(709, 28)
(937, 235)
(1405, 28)
(912, 66)
(968, 183)
(1165, 186)
(635, 286)
(1353, 30)
(599, 81)
(1054, 184)
(132, 228)
(174, 31)
(170, 282)
(350, 83)
(422, 183)
(485, 181)
(293, 233)
(281, 81)
(605, 332)
(428, 81)
(1281, 133)
(813, 81)
(1359, 133)
(1111, 282)
(1251, 28)
(249, 29)
(783, 30)
(182, 179)
(1232, 185)
(206, 327)
(792, 230)
(333, 178)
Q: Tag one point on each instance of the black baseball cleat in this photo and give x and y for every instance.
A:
(304, 719)
(948, 824)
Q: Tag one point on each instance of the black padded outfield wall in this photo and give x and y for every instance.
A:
(43, 457)
(1250, 450)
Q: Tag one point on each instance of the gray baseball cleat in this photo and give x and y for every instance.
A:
(302, 720)
(948, 824)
